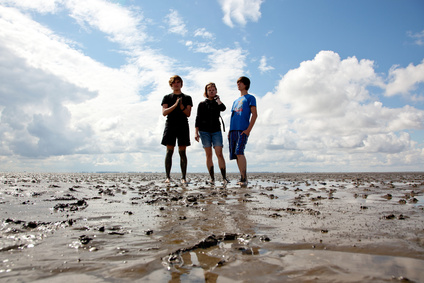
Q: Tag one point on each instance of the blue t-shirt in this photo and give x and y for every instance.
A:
(240, 112)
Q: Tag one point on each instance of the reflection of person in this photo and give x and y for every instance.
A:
(177, 106)
(208, 128)
(243, 118)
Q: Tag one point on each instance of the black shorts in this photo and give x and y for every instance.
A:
(172, 133)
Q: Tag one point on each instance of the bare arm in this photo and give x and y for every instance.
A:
(196, 134)
(252, 120)
(187, 110)
(220, 104)
(166, 110)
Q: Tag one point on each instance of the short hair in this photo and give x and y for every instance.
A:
(206, 89)
(245, 81)
(175, 78)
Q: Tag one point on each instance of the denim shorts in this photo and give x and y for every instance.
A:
(211, 139)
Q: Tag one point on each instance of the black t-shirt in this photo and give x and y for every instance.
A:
(177, 116)
(207, 118)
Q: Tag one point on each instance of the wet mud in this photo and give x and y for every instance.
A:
(341, 227)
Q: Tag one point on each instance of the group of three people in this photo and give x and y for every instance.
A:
(177, 107)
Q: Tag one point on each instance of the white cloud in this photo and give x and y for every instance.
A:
(64, 110)
(240, 11)
(176, 23)
(90, 93)
(325, 85)
(263, 67)
(405, 80)
(121, 25)
(103, 116)
(202, 32)
(34, 119)
(387, 143)
(419, 37)
(41, 6)
(224, 67)
(323, 112)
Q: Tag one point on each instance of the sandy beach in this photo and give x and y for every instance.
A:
(340, 227)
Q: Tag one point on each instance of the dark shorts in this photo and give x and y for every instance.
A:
(172, 134)
(237, 143)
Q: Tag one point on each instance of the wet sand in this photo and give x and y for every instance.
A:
(341, 227)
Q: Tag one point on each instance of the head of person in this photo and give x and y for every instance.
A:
(245, 81)
(174, 79)
(210, 87)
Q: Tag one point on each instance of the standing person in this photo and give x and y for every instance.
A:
(243, 118)
(209, 128)
(177, 106)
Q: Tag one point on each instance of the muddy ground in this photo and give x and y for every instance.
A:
(341, 227)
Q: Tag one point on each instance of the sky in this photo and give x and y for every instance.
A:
(339, 84)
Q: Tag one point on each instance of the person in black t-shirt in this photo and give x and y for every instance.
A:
(208, 129)
(177, 107)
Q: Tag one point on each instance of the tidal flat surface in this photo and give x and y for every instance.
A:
(322, 227)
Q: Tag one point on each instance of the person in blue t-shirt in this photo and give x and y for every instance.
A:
(243, 118)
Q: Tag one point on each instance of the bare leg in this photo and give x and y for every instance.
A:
(183, 162)
(221, 162)
(168, 162)
(209, 162)
(242, 165)
(212, 173)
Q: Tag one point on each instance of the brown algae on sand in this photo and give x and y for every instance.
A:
(342, 227)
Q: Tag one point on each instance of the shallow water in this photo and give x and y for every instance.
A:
(283, 228)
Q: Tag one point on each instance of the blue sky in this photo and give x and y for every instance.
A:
(339, 84)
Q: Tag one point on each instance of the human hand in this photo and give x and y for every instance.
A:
(196, 137)
(177, 102)
(218, 100)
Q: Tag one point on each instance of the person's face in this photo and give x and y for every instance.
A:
(176, 85)
(211, 91)
(240, 85)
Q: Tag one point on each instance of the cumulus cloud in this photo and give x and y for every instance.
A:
(326, 85)
(263, 66)
(89, 92)
(176, 23)
(35, 121)
(405, 80)
(324, 108)
(66, 103)
(61, 106)
(240, 11)
(121, 25)
(224, 67)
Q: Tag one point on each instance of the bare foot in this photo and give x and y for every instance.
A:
(242, 184)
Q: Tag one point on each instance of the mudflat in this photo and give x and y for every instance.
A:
(323, 227)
